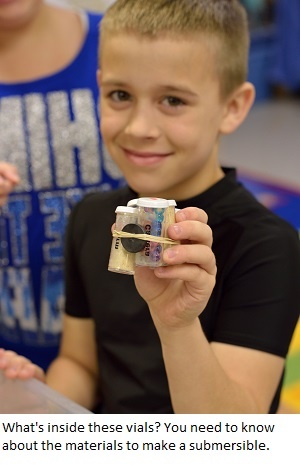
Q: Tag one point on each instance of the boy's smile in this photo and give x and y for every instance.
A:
(144, 158)
(161, 113)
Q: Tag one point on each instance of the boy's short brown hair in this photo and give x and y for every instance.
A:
(223, 22)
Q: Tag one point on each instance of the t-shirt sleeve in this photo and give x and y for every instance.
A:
(261, 300)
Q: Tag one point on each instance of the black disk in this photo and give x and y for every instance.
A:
(130, 243)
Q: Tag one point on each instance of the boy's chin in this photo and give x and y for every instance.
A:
(143, 189)
(142, 192)
(146, 186)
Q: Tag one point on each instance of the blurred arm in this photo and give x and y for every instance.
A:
(74, 373)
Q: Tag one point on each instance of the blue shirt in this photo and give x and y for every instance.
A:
(49, 129)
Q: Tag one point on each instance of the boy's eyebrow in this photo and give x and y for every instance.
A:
(181, 89)
(165, 88)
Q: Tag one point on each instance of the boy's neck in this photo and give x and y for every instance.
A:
(179, 194)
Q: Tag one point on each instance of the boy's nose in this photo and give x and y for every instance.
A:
(142, 123)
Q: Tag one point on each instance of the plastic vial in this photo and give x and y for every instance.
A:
(151, 215)
(120, 260)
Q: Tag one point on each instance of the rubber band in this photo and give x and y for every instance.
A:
(145, 237)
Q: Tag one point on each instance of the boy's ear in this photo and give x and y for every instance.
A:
(99, 77)
(237, 107)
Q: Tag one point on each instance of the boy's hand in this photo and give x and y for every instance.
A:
(178, 293)
(16, 366)
(8, 179)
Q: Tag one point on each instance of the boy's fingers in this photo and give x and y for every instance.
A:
(12, 360)
(194, 231)
(191, 213)
(22, 372)
(190, 273)
(200, 255)
(17, 366)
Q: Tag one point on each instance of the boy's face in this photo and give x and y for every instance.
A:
(161, 113)
(15, 13)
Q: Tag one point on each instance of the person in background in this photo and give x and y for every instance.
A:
(208, 333)
(49, 132)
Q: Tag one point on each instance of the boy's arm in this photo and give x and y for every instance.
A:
(218, 378)
(203, 377)
(74, 373)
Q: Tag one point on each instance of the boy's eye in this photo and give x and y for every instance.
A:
(119, 96)
(173, 101)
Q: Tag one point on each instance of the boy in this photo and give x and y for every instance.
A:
(172, 78)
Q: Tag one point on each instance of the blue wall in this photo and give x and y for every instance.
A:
(261, 59)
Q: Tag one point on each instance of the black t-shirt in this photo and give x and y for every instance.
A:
(255, 302)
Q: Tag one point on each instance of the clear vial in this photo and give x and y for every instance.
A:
(120, 260)
(151, 213)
